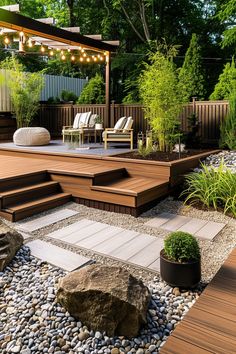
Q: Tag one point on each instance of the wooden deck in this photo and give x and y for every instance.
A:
(210, 325)
(109, 183)
(29, 185)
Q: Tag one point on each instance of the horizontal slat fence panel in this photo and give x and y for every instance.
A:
(210, 115)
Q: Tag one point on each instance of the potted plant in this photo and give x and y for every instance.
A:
(180, 260)
(98, 123)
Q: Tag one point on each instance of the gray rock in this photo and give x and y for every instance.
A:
(106, 299)
(10, 242)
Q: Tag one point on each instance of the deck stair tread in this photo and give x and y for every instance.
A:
(28, 188)
(131, 185)
(37, 202)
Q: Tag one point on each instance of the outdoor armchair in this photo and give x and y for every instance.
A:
(122, 132)
(84, 124)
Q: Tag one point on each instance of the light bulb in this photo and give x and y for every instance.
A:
(63, 57)
(84, 55)
(6, 40)
(51, 52)
(42, 49)
(72, 57)
(68, 50)
(81, 59)
(30, 44)
(88, 59)
(21, 33)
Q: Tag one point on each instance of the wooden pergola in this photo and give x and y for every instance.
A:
(61, 38)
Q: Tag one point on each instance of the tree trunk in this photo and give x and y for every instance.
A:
(70, 4)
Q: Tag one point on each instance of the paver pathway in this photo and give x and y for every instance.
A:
(57, 256)
(198, 227)
(46, 220)
(124, 245)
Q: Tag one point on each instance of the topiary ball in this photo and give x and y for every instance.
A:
(181, 247)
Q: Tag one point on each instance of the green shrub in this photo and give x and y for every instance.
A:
(68, 96)
(25, 90)
(213, 188)
(93, 92)
(53, 100)
(181, 247)
(191, 75)
(228, 126)
(226, 83)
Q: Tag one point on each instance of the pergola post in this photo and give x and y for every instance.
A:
(107, 81)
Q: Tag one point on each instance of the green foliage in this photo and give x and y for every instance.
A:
(191, 77)
(228, 126)
(226, 83)
(213, 188)
(93, 92)
(181, 247)
(227, 16)
(53, 100)
(98, 120)
(161, 98)
(68, 96)
(25, 89)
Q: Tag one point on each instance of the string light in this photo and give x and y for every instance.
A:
(42, 49)
(51, 53)
(63, 57)
(95, 59)
(30, 43)
(21, 34)
(82, 50)
(72, 57)
(68, 50)
(88, 59)
(6, 40)
(84, 55)
(81, 59)
(57, 49)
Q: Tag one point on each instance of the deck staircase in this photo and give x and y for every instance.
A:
(29, 194)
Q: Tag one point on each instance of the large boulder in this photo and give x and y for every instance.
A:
(105, 299)
(10, 242)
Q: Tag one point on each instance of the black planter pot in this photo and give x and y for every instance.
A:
(181, 275)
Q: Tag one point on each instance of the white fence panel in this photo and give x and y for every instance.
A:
(53, 87)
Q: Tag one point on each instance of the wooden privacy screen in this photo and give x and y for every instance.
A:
(209, 113)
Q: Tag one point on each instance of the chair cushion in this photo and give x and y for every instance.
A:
(118, 136)
(128, 124)
(84, 119)
(76, 121)
(91, 122)
(120, 123)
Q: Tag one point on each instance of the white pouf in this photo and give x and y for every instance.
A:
(31, 136)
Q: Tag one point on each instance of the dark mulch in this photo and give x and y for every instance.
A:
(162, 156)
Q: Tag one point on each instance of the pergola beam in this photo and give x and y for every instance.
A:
(29, 26)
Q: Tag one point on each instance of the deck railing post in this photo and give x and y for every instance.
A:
(112, 113)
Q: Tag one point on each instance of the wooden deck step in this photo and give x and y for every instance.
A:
(21, 211)
(22, 180)
(130, 185)
(28, 193)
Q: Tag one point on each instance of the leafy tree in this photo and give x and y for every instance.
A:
(228, 126)
(191, 78)
(226, 83)
(25, 89)
(161, 97)
(227, 15)
(93, 92)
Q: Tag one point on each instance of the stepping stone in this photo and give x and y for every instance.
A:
(193, 226)
(210, 230)
(155, 265)
(149, 254)
(160, 220)
(57, 256)
(175, 223)
(46, 220)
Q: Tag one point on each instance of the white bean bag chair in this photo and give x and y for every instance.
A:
(31, 136)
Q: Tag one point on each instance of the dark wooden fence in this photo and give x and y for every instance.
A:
(210, 115)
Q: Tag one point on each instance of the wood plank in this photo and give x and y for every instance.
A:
(175, 345)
